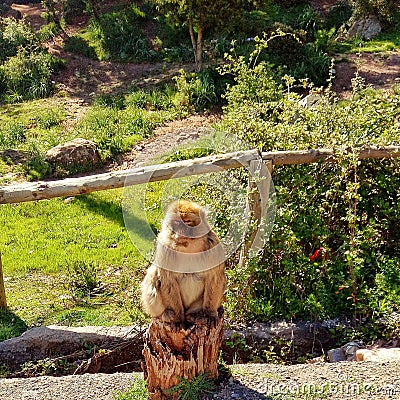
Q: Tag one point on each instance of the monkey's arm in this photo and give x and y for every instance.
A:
(161, 295)
(214, 288)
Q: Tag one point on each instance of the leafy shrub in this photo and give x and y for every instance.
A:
(338, 14)
(118, 130)
(28, 76)
(385, 10)
(50, 117)
(195, 91)
(13, 35)
(334, 246)
(119, 36)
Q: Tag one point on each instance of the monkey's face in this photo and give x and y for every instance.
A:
(187, 221)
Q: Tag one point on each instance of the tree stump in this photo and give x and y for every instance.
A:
(173, 353)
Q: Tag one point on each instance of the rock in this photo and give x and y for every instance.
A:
(303, 338)
(336, 355)
(77, 152)
(378, 355)
(52, 341)
(310, 100)
(346, 352)
(365, 28)
(239, 343)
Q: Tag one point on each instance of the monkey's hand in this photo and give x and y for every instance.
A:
(205, 316)
(169, 316)
(194, 316)
(212, 316)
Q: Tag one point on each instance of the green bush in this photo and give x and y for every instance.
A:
(195, 91)
(335, 242)
(338, 14)
(28, 76)
(117, 130)
(14, 35)
(120, 37)
(385, 10)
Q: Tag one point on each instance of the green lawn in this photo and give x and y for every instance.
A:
(70, 263)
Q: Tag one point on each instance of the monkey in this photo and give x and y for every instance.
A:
(187, 276)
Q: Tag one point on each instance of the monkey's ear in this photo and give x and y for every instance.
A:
(204, 211)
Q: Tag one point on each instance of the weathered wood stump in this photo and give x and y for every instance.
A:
(173, 352)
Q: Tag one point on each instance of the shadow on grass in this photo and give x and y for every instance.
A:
(107, 209)
(10, 325)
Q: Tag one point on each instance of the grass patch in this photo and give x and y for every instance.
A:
(71, 263)
(114, 123)
(10, 325)
(137, 390)
(387, 41)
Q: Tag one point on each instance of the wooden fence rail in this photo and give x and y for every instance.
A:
(111, 180)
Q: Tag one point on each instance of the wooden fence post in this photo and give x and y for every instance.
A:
(3, 300)
(259, 187)
(173, 353)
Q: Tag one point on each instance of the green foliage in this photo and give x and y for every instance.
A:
(115, 36)
(48, 366)
(136, 391)
(201, 17)
(36, 167)
(12, 134)
(387, 41)
(338, 14)
(13, 35)
(74, 8)
(121, 36)
(10, 325)
(25, 68)
(385, 10)
(193, 389)
(334, 237)
(116, 131)
(79, 45)
(83, 279)
(195, 91)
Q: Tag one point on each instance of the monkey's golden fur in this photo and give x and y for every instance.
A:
(177, 296)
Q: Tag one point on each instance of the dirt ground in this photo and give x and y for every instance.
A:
(83, 77)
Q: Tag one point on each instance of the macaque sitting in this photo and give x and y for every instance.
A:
(187, 277)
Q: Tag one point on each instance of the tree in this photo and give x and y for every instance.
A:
(201, 15)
